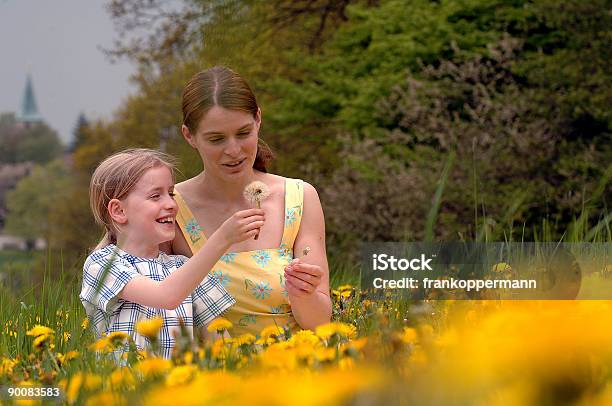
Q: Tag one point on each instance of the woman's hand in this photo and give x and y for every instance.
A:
(302, 278)
(241, 226)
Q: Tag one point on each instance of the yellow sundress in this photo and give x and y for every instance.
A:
(254, 278)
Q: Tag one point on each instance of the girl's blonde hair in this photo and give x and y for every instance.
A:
(115, 178)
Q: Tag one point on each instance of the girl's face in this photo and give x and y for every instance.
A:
(146, 216)
(227, 142)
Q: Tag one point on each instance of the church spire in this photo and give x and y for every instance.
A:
(29, 110)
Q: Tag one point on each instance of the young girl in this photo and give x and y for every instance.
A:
(128, 279)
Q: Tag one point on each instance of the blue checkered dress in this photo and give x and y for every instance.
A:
(108, 313)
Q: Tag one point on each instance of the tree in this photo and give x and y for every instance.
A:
(31, 203)
(340, 97)
(79, 133)
(37, 143)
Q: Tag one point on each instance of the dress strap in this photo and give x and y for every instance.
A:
(294, 202)
(188, 224)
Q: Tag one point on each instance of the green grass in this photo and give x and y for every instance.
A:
(33, 293)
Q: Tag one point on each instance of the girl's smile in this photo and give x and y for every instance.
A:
(147, 214)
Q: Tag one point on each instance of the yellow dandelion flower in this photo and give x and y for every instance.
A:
(346, 364)
(471, 316)
(325, 354)
(100, 345)
(272, 331)
(74, 387)
(66, 336)
(305, 337)
(181, 375)
(245, 339)
(6, 366)
(122, 377)
(265, 341)
(107, 399)
(345, 288)
(501, 267)
(346, 294)
(85, 323)
(219, 325)
(39, 330)
(141, 354)
(278, 357)
(426, 333)
(219, 350)
(117, 338)
(418, 357)
(153, 366)
(344, 330)
(408, 335)
(188, 357)
(70, 355)
(40, 341)
(353, 347)
(150, 328)
(92, 381)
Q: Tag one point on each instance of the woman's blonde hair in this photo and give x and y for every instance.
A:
(115, 178)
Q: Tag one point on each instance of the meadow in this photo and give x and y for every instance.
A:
(377, 350)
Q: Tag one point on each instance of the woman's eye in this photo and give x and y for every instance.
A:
(215, 140)
(156, 196)
(245, 134)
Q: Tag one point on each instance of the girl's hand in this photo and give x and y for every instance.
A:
(241, 226)
(302, 279)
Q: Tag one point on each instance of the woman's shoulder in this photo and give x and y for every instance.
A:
(278, 180)
(271, 179)
(310, 192)
(185, 186)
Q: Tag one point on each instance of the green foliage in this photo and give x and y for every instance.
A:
(29, 205)
(367, 99)
(37, 143)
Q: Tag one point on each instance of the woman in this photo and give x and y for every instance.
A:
(221, 120)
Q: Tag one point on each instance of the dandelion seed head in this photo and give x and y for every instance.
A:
(256, 192)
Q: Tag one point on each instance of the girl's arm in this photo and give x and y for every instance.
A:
(308, 277)
(170, 293)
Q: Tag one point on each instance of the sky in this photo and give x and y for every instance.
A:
(58, 43)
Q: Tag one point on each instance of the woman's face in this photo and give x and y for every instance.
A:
(227, 142)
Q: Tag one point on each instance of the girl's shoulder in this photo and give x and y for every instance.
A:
(172, 260)
(105, 256)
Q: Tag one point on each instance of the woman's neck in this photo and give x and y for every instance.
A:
(219, 189)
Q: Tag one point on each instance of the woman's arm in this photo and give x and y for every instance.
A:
(308, 277)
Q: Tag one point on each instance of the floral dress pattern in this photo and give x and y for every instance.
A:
(254, 278)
